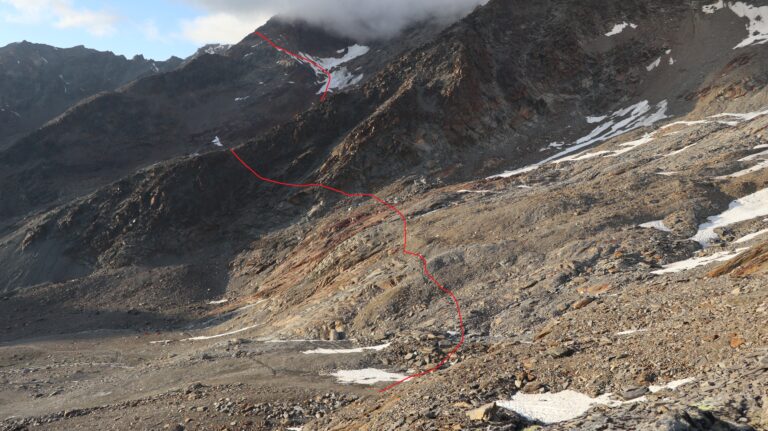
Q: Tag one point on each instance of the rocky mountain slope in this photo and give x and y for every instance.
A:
(40, 82)
(587, 177)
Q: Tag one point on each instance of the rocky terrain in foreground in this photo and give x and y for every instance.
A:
(588, 178)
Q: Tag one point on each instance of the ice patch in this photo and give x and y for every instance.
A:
(618, 28)
(696, 262)
(656, 224)
(345, 351)
(366, 376)
(743, 209)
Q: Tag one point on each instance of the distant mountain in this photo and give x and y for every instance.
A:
(39, 82)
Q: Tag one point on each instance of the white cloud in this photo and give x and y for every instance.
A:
(61, 14)
(150, 31)
(358, 19)
(221, 27)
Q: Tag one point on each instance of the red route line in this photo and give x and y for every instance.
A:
(377, 199)
(302, 58)
(405, 252)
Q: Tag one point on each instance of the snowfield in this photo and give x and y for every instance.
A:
(345, 351)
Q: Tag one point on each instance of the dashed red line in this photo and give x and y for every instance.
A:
(391, 207)
(302, 58)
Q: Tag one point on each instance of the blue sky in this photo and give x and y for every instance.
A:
(157, 29)
(161, 28)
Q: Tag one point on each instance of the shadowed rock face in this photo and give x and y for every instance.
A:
(39, 82)
(577, 272)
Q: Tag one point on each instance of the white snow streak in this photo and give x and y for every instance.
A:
(220, 301)
(625, 120)
(618, 28)
(653, 65)
(345, 351)
(696, 262)
(226, 334)
(366, 376)
(750, 237)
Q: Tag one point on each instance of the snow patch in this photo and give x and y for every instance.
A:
(750, 237)
(567, 405)
(593, 120)
(747, 116)
(217, 142)
(366, 376)
(345, 351)
(653, 65)
(758, 167)
(551, 408)
(341, 78)
(618, 28)
(242, 99)
(625, 120)
(743, 209)
(226, 334)
(714, 7)
(220, 301)
(696, 262)
(758, 23)
(671, 385)
(631, 331)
